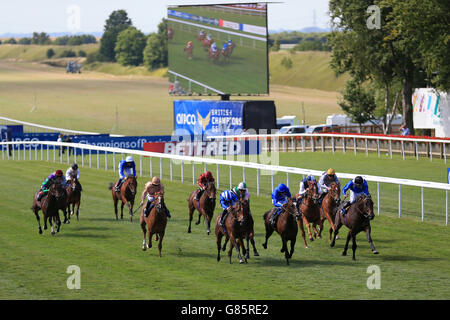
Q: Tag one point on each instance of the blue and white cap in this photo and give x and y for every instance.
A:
(129, 159)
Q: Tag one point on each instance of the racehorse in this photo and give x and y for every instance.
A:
(155, 222)
(49, 204)
(73, 196)
(188, 50)
(330, 203)
(214, 56)
(205, 206)
(310, 211)
(356, 219)
(207, 43)
(238, 225)
(286, 227)
(126, 195)
(201, 37)
(228, 51)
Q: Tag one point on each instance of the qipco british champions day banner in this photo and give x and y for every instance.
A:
(200, 118)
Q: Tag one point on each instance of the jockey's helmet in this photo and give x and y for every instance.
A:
(59, 173)
(359, 180)
(156, 181)
(282, 187)
(242, 186)
(208, 175)
(236, 191)
(75, 166)
(331, 172)
(129, 159)
(310, 177)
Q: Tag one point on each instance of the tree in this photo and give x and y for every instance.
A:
(130, 46)
(155, 52)
(11, 41)
(276, 45)
(409, 48)
(358, 103)
(116, 23)
(50, 53)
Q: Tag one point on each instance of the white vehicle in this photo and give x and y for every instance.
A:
(292, 129)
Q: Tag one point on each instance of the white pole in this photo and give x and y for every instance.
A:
(332, 144)
(378, 198)
(193, 173)
(431, 152)
(354, 145)
(390, 148)
(90, 158)
(322, 142)
(231, 176)
(417, 150)
(218, 175)
(287, 179)
(257, 182)
(403, 150)
(82, 157)
(423, 206)
(378, 147)
(399, 200)
(343, 145)
(98, 159)
(106, 160)
(445, 154)
(367, 148)
(182, 172)
(446, 207)
(243, 174)
(114, 162)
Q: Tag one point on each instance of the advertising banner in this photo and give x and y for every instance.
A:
(204, 148)
(196, 117)
(431, 110)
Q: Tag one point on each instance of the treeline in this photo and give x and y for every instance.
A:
(302, 41)
(123, 43)
(42, 38)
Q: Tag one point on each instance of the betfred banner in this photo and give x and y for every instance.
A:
(196, 117)
(204, 148)
(426, 109)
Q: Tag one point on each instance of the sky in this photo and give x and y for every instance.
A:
(20, 16)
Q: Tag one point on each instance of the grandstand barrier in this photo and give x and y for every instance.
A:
(381, 144)
(44, 149)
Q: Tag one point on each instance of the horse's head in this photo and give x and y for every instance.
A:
(291, 208)
(313, 191)
(366, 205)
(56, 188)
(334, 192)
(211, 190)
(159, 202)
(131, 183)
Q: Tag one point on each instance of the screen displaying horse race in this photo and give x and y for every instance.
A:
(218, 49)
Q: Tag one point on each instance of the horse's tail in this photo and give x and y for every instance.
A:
(111, 185)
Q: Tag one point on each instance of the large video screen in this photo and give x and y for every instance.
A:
(218, 49)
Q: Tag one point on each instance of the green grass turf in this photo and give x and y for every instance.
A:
(245, 72)
(229, 16)
(414, 256)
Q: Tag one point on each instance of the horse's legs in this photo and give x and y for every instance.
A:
(150, 235)
(285, 249)
(191, 213)
(247, 249)
(308, 228)
(58, 222)
(252, 241)
(230, 251)
(293, 240)
(78, 208)
(208, 224)
(199, 216)
(144, 231)
(269, 231)
(302, 230)
(161, 236)
(224, 247)
(121, 210)
(45, 221)
(115, 207)
(337, 226)
(349, 235)
(321, 227)
(240, 244)
(36, 213)
(369, 238)
(219, 245)
(354, 246)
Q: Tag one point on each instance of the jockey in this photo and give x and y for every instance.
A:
(304, 187)
(224, 47)
(49, 181)
(203, 180)
(150, 190)
(214, 47)
(358, 187)
(202, 32)
(126, 167)
(208, 37)
(189, 45)
(280, 196)
(227, 199)
(243, 191)
(325, 182)
(72, 171)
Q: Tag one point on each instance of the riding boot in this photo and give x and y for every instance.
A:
(223, 216)
(198, 195)
(118, 185)
(345, 207)
(148, 208)
(40, 195)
